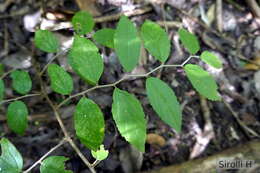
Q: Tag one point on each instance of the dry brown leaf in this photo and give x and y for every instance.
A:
(248, 119)
(154, 139)
(89, 5)
(255, 65)
(251, 67)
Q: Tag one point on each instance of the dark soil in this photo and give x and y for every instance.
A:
(236, 46)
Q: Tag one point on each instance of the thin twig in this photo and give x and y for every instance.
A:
(246, 129)
(45, 155)
(19, 98)
(51, 60)
(254, 7)
(123, 79)
(83, 158)
(7, 73)
(218, 14)
(61, 124)
(113, 17)
(95, 163)
(106, 18)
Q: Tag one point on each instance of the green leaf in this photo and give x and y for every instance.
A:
(105, 37)
(61, 81)
(46, 41)
(127, 43)
(202, 81)
(54, 164)
(2, 89)
(21, 81)
(82, 22)
(85, 60)
(100, 154)
(17, 113)
(11, 160)
(156, 40)
(129, 118)
(2, 69)
(189, 41)
(211, 59)
(89, 123)
(164, 102)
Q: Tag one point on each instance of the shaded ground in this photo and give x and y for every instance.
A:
(229, 123)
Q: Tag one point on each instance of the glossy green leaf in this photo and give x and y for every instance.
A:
(82, 22)
(164, 102)
(85, 60)
(129, 118)
(11, 160)
(127, 43)
(2, 89)
(83, 43)
(89, 123)
(156, 40)
(105, 37)
(202, 81)
(21, 81)
(61, 81)
(100, 154)
(189, 41)
(54, 164)
(211, 59)
(17, 113)
(46, 41)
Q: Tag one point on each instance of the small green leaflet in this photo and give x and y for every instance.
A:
(85, 60)
(2, 89)
(189, 41)
(156, 40)
(21, 81)
(17, 113)
(82, 22)
(61, 81)
(127, 43)
(105, 37)
(46, 41)
(100, 154)
(54, 164)
(129, 117)
(202, 81)
(89, 123)
(11, 160)
(164, 102)
(211, 59)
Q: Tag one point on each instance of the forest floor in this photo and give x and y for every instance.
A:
(231, 29)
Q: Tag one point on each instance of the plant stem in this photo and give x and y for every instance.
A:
(19, 98)
(7, 73)
(125, 78)
(51, 60)
(58, 118)
(45, 155)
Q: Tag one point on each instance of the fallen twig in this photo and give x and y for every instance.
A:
(208, 133)
(248, 151)
(246, 129)
(254, 7)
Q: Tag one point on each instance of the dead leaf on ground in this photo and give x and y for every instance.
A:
(154, 139)
(89, 5)
(255, 64)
